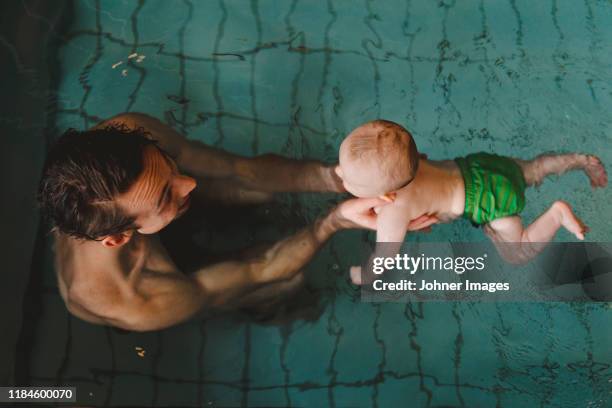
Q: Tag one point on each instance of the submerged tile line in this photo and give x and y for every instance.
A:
(591, 29)
(411, 33)
(289, 148)
(327, 60)
(182, 71)
(296, 144)
(217, 74)
(240, 56)
(482, 41)
(285, 333)
(383, 353)
(300, 386)
(84, 74)
(253, 61)
(160, 46)
(519, 24)
(202, 117)
(457, 353)
(546, 363)
(593, 45)
(581, 311)
(497, 335)
(558, 56)
(411, 315)
(141, 71)
(377, 43)
(444, 83)
(335, 331)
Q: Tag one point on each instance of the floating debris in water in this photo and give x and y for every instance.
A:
(116, 64)
(139, 57)
(124, 72)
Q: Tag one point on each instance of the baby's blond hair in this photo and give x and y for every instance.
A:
(386, 147)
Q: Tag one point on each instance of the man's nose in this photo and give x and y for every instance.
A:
(185, 185)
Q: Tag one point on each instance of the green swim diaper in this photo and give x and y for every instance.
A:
(494, 187)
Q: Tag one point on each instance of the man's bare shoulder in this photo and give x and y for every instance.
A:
(94, 280)
(82, 271)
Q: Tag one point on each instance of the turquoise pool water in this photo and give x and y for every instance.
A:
(513, 77)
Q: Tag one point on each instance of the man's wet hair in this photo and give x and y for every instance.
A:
(83, 174)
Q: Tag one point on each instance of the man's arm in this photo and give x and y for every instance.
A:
(267, 173)
(161, 300)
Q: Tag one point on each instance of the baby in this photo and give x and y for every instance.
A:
(380, 159)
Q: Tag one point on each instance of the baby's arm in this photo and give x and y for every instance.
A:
(392, 223)
(391, 228)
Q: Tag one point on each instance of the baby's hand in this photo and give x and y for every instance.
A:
(356, 275)
(387, 198)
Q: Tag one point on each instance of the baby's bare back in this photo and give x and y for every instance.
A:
(437, 190)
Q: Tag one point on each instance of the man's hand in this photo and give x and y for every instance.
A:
(363, 212)
(357, 213)
(422, 223)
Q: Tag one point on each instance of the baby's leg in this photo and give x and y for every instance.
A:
(546, 164)
(531, 240)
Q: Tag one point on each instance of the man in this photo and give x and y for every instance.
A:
(109, 190)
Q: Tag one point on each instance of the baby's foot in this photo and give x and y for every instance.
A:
(596, 171)
(569, 220)
(356, 275)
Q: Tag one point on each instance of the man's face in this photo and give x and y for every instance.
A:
(159, 195)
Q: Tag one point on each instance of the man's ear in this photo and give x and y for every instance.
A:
(116, 240)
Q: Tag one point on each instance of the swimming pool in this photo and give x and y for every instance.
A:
(514, 77)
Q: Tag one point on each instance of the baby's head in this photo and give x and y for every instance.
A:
(377, 158)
